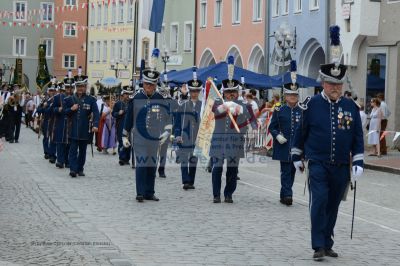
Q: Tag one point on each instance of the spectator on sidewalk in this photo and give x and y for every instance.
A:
(30, 107)
(375, 127)
(364, 117)
(385, 115)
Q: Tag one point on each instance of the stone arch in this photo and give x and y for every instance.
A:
(235, 52)
(207, 58)
(312, 55)
(256, 59)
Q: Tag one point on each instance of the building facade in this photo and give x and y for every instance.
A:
(70, 40)
(25, 25)
(371, 48)
(178, 34)
(111, 40)
(298, 30)
(234, 28)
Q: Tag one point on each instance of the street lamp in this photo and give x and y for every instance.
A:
(165, 59)
(115, 65)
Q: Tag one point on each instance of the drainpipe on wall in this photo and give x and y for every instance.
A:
(135, 38)
(267, 32)
(195, 33)
(327, 40)
(87, 40)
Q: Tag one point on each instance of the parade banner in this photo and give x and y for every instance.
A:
(206, 129)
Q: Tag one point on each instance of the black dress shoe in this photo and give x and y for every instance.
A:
(72, 174)
(162, 174)
(319, 254)
(52, 160)
(81, 174)
(46, 156)
(139, 198)
(16, 141)
(287, 201)
(237, 178)
(186, 186)
(228, 200)
(154, 198)
(11, 141)
(121, 162)
(59, 165)
(191, 186)
(217, 200)
(331, 253)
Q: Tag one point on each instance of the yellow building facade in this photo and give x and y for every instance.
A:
(110, 45)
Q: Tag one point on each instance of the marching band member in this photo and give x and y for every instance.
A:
(119, 112)
(147, 114)
(226, 143)
(331, 134)
(285, 119)
(79, 107)
(186, 127)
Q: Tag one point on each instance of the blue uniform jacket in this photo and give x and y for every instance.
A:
(46, 113)
(148, 116)
(331, 132)
(186, 124)
(78, 120)
(61, 120)
(226, 142)
(284, 121)
(120, 105)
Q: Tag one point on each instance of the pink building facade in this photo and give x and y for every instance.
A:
(231, 27)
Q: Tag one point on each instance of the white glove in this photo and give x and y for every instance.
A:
(222, 108)
(163, 137)
(299, 166)
(357, 171)
(234, 108)
(281, 139)
(125, 142)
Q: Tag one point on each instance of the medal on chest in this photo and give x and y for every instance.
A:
(345, 119)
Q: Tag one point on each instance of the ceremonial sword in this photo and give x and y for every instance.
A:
(354, 207)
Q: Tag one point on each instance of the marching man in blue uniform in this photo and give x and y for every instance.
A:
(331, 139)
(226, 142)
(119, 112)
(186, 127)
(45, 111)
(148, 117)
(79, 108)
(51, 123)
(164, 90)
(61, 121)
(284, 122)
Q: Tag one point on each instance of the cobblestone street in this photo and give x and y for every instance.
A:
(47, 218)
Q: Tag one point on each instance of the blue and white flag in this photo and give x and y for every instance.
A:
(153, 15)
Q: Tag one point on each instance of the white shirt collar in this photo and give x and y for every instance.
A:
(327, 98)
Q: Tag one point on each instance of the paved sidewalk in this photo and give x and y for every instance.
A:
(389, 163)
(41, 203)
